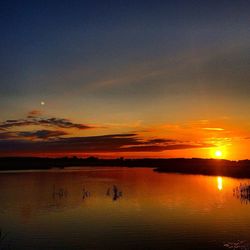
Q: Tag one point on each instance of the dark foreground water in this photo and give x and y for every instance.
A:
(121, 208)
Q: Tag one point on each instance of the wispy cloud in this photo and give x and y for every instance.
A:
(51, 122)
(39, 134)
(214, 129)
(42, 134)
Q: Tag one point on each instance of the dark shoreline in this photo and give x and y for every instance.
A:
(213, 167)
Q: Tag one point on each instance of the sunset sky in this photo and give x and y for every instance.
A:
(125, 78)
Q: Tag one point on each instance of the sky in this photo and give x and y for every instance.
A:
(125, 78)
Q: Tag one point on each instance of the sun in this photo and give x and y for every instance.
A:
(218, 153)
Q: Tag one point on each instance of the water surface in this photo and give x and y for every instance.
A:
(79, 209)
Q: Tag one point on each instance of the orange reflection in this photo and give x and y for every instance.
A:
(219, 183)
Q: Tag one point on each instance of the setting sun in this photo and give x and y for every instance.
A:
(218, 153)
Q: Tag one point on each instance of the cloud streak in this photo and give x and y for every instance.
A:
(51, 122)
(91, 144)
(42, 134)
(214, 129)
(39, 134)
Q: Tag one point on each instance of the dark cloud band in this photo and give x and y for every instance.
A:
(91, 144)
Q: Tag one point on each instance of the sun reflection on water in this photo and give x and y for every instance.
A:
(219, 183)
